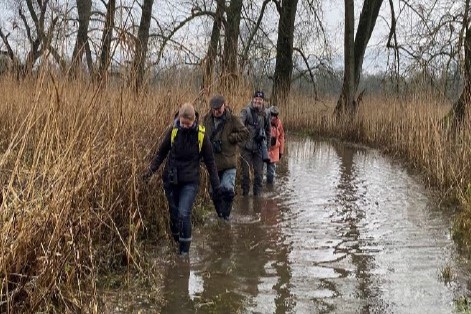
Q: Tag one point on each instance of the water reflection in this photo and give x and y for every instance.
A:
(343, 230)
(177, 290)
(350, 215)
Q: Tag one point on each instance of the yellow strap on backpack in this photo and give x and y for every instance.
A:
(201, 131)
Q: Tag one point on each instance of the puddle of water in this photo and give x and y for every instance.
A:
(344, 230)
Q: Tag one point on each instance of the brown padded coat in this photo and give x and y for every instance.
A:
(233, 133)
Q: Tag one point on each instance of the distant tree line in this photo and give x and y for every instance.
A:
(230, 41)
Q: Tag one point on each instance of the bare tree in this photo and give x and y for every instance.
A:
(105, 56)
(141, 43)
(84, 9)
(459, 107)
(229, 62)
(349, 60)
(213, 44)
(248, 44)
(354, 50)
(284, 51)
(33, 18)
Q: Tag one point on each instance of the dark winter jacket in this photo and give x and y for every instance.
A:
(184, 155)
(232, 133)
(258, 125)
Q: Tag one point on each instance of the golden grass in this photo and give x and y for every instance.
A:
(72, 153)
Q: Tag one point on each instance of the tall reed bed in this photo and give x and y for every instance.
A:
(71, 155)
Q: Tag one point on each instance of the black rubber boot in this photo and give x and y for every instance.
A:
(227, 210)
(184, 247)
(228, 197)
(218, 205)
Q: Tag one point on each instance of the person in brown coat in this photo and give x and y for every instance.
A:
(225, 132)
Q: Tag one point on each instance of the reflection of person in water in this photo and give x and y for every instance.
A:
(220, 285)
(176, 290)
(260, 256)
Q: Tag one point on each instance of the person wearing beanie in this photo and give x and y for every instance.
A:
(254, 150)
(225, 132)
(183, 145)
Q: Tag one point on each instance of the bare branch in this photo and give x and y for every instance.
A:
(308, 68)
(7, 44)
(168, 37)
(254, 31)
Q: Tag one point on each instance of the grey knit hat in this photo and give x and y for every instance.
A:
(217, 101)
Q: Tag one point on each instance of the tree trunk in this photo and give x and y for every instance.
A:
(141, 44)
(458, 111)
(36, 42)
(346, 98)
(355, 52)
(213, 46)
(229, 62)
(284, 52)
(368, 16)
(105, 57)
(84, 8)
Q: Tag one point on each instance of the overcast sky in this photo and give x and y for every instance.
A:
(196, 35)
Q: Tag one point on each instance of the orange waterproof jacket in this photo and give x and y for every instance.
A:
(277, 143)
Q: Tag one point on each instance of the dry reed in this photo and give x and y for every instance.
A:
(71, 155)
(72, 205)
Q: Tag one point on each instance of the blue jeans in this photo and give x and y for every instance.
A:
(180, 200)
(223, 203)
(227, 178)
(271, 168)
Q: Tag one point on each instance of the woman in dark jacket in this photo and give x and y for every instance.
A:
(185, 143)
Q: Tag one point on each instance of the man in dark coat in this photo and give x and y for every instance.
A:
(254, 149)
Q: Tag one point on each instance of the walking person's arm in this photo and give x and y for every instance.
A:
(239, 132)
(160, 154)
(267, 127)
(210, 163)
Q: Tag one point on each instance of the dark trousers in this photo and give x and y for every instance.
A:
(251, 160)
(180, 198)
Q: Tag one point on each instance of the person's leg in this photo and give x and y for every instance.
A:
(245, 161)
(217, 199)
(172, 195)
(186, 199)
(257, 173)
(271, 167)
(228, 185)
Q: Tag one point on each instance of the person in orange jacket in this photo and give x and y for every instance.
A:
(277, 143)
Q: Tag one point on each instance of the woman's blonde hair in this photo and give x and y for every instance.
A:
(187, 111)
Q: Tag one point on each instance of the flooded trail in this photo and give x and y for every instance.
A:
(344, 230)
